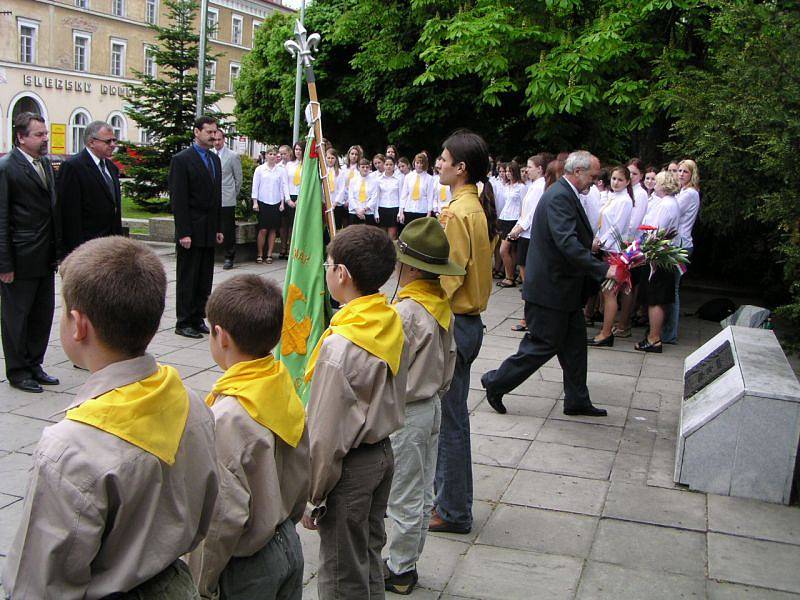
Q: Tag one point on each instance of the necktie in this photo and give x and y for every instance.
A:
(442, 193)
(297, 172)
(37, 164)
(107, 177)
(415, 191)
(331, 181)
(362, 192)
(209, 164)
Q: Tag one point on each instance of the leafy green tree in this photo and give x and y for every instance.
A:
(165, 105)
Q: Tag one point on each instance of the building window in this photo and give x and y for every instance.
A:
(145, 137)
(151, 11)
(149, 62)
(82, 3)
(235, 70)
(212, 23)
(117, 123)
(118, 58)
(118, 8)
(82, 44)
(77, 128)
(211, 75)
(237, 24)
(256, 25)
(27, 41)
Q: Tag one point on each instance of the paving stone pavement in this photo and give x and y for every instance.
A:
(565, 507)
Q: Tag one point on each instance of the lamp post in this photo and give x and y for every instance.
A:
(298, 84)
(201, 59)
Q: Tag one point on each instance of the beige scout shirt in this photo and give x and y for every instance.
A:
(102, 515)
(431, 352)
(354, 399)
(263, 482)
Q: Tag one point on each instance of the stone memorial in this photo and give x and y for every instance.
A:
(739, 429)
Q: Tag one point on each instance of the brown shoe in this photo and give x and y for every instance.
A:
(439, 525)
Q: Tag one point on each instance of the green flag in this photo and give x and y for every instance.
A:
(305, 313)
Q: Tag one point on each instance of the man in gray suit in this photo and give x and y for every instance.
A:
(231, 184)
(29, 245)
(560, 273)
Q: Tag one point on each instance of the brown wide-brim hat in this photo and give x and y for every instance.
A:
(424, 245)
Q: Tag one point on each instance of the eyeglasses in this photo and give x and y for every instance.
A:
(108, 141)
(328, 265)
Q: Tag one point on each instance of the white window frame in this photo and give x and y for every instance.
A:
(213, 34)
(256, 25)
(233, 65)
(211, 75)
(76, 143)
(76, 35)
(147, 50)
(147, 5)
(121, 11)
(123, 130)
(34, 25)
(145, 137)
(234, 19)
(122, 59)
(82, 4)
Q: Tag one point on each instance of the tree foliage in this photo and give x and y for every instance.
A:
(165, 105)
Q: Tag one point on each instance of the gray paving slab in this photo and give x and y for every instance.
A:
(490, 573)
(513, 426)
(750, 518)
(489, 483)
(611, 363)
(442, 555)
(49, 406)
(557, 492)
(546, 531)
(481, 511)
(12, 399)
(601, 581)
(568, 460)
(599, 437)
(646, 400)
(754, 562)
(630, 468)
(17, 431)
(720, 590)
(497, 451)
(647, 384)
(671, 508)
(649, 547)
(14, 474)
(9, 522)
(617, 415)
(524, 406)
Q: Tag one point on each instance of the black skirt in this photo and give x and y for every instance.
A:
(287, 216)
(522, 250)
(410, 216)
(388, 216)
(269, 216)
(658, 289)
(504, 228)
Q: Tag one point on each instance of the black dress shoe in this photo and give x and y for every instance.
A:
(27, 385)
(202, 328)
(228, 264)
(589, 411)
(189, 332)
(607, 342)
(44, 379)
(495, 400)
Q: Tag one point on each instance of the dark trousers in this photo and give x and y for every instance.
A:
(173, 583)
(26, 315)
(195, 274)
(228, 218)
(352, 533)
(453, 481)
(550, 333)
(273, 573)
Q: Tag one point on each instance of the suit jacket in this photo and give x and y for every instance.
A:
(231, 175)
(196, 197)
(29, 221)
(88, 208)
(560, 271)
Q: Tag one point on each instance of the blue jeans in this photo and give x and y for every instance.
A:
(669, 332)
(454, 464)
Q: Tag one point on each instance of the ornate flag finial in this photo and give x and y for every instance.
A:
(303, 45)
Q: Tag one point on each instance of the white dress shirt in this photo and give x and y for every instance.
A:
(270, 185)
(388, 191)
(663, 213)
(498, 187)
(615, 217)
(592, 202)
(638, 212)
(424, 204)
(689, 203)
(529, 204)
(291, 169)
(370, 204)
(514, 193)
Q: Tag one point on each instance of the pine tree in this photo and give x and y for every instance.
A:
(165, 105)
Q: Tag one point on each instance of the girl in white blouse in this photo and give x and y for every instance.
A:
(614, 219)
(337, 184)
(514, 192)
(441, 193)
(294, 170)
(270, 192)
(416, 196)
(388, 198)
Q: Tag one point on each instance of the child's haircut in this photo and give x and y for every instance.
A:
(120, 285)
(364, 161)
(368, 253)
(378, 156)
(424, 158)
(250, 309)
(404, 161)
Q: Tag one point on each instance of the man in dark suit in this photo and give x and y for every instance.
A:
(88, 190)
(29, 242)
(195, 193)
(560, 273)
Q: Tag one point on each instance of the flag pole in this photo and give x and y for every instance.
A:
(302, 46)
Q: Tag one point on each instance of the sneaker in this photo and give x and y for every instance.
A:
(402, 584)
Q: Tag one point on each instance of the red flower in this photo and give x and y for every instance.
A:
(647, 228)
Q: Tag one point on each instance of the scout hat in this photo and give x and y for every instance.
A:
(424, 245)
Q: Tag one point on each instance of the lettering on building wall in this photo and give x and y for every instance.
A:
(72, 85)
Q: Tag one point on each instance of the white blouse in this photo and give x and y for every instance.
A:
(441, 195)
(270, 186)
(388, 191)
(370, 203)
(423, 204)
(498, 187)
(638, 212)
(663, 213)
(514, 193)
(614, 219)
(337, 185)
(294, 169)
(689, 203)
(529, 204)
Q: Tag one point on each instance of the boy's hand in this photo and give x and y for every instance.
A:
(308, 520)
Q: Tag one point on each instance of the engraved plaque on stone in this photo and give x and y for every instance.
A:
(707, 370)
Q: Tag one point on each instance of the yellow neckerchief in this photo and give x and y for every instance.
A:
(370, 323)
(265, 390)
(150, 413)
(429, 293)
(297, 173)
(415, 192)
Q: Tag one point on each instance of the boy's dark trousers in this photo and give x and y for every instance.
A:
(352, 532)
(173, 583)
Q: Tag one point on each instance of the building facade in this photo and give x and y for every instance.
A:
(73, 61)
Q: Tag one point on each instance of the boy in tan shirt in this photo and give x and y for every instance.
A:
(252, 549)
(422, 255)
(359, 371)
(126, 483)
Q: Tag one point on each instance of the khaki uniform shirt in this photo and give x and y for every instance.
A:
(354, 399)
(470, 247)
(104, 516)
(431, 352)
(263, 482)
